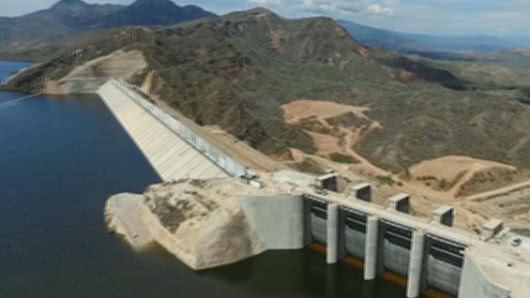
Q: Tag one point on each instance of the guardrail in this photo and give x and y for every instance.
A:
(220, 158)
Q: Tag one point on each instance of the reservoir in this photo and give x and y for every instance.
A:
(60, 158)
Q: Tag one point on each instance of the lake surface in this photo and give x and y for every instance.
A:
(60, 158)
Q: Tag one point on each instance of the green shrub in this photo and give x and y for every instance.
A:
(342, 158)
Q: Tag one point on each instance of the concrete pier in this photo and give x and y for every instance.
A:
(416, 264)
(491, 228)
(329, 182)
(400, 203)
(371, 248)
(444, 215)
(332, 233)
(363, 192)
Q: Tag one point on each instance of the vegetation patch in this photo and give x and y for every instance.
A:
(343, 158)
(488, 180)
(440, 184)
(312, 124)
(308, 165)
(348, 120)
(386, 180)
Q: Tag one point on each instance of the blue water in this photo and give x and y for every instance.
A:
(60, 158)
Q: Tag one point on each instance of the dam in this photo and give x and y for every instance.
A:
(173, 150)
(425, 255)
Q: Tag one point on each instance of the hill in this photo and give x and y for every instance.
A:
(237, 71)
(428, 44)
(30, 35)
(154, 12)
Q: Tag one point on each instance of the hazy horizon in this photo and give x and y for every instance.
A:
(511, 18)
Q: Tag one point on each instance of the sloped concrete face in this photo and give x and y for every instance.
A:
(170, 156)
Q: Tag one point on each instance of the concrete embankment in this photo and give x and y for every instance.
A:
(171, 156)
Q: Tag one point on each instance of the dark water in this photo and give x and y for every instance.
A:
(60, 158)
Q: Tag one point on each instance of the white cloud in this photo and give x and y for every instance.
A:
(265, 2)
(379, 9)
(334, 8)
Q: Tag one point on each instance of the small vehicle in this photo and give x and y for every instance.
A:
(516, 242)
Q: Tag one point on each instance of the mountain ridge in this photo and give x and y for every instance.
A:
(40, 29)
(414, 42)
(154, 12)
(236, 71)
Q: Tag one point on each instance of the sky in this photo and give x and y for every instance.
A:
(444, 17)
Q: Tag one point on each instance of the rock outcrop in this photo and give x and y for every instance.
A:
(203, 229)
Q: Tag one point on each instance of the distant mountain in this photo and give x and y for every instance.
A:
(155, 12)
(71, 16)
(407, 42)
(64, 17)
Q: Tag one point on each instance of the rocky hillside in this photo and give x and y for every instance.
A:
(237, 70)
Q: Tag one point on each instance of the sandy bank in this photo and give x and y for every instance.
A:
(125, 214)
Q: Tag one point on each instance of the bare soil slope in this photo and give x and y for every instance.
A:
(89, 76)
(334, 128)
(459, 175)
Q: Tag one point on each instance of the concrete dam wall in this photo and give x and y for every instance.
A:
(476, 284)
(278, 221)
(172, 149)
(295, 221)
(428, 256)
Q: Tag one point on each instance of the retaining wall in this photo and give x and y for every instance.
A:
(474, 284)
(278, 221)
